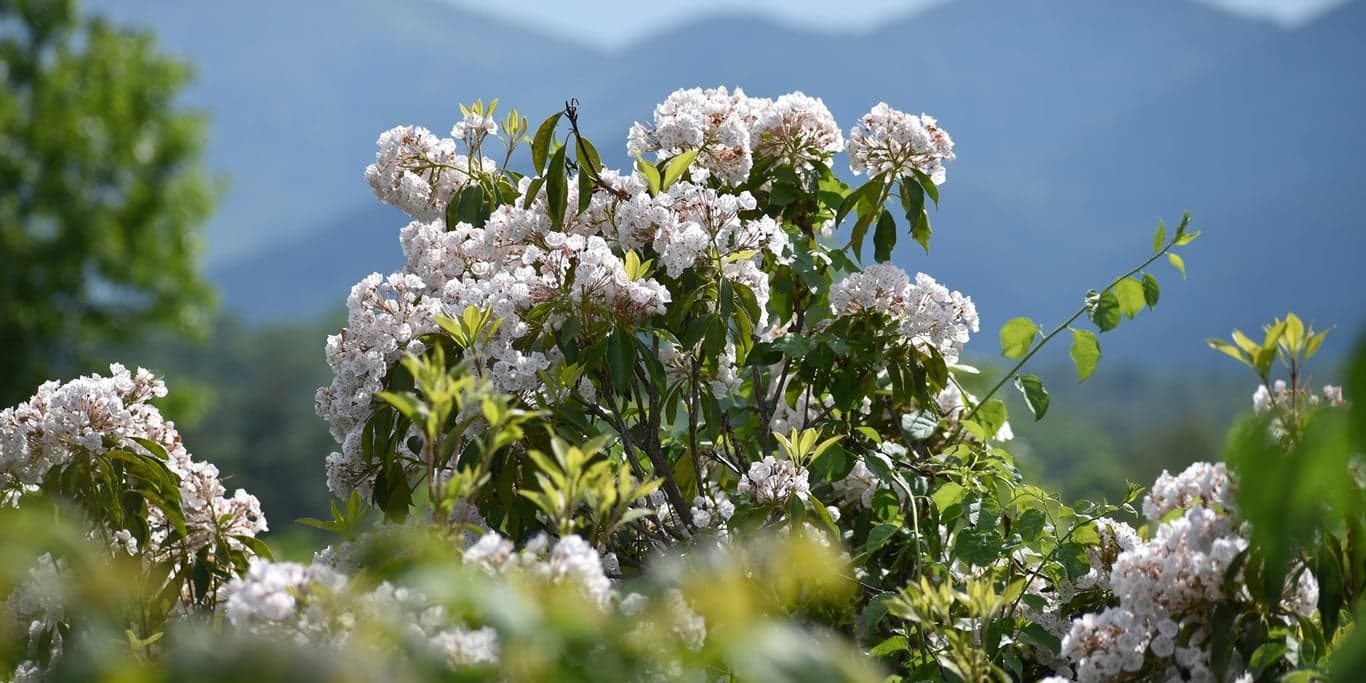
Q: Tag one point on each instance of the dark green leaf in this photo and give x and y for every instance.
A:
(920, 231)
(1030, 524)
(1150, 290)
(979, 546)
(1103, 309)
(556, 188)
(1034, 394)
(589, 165)
(928, 185)
(884, 238)
(540, 144)
(1074, 560)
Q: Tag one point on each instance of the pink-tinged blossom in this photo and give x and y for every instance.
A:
(1168, 584)
(926, 312)
(887, 141)
(82, 420)
(773, 481)
(417, 172)
(716, 122)
(796, 129)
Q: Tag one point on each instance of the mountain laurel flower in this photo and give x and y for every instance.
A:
(715, 122)
(891, 142)
(796, 129)
(417, 172)
(84, 419)
(773, 481)
(926, 312)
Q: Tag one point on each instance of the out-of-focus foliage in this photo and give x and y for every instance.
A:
(99, 191)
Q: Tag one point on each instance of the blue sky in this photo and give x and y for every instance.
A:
(617, 23)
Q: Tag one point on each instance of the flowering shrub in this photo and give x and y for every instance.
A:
(668, 423)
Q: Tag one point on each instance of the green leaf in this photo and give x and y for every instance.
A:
(948, 495)
(1177, 263)
(1073, 558)
(1265, 655)
(889, 647)
(920, 231)
(979, 546)
(1187, 238)
(1034, 394)
(879, 535)
(1150, 290)
(1085, 352)
(992, 416)
(1017, 335)
(531, 191)
(1228, 349)
(913, 202)
(860, 231)
(919, 425)
(586, 156)
(1030, 524)
(1160, 237)
(1104, 310)
(556, 188)
(884, 238)
(406, 403)
(865, 192)
(927, 184)
(676, 166)
(1131, 298)
(651, 174)
(540, 145)
(468, 207)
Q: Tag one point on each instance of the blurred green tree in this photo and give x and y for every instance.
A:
(101, 189)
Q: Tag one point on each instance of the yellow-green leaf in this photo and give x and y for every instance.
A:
(675, 168)
(1177, 263)
(1085, 352)
(1131, 298)
(1016, 336)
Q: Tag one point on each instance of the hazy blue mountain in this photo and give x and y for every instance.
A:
(1079, 123)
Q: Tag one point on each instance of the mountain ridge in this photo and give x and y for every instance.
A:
(1069, 125)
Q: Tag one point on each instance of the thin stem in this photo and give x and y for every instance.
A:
(1035, 349)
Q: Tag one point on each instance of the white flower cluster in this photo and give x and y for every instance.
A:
(926, 312)
(1280, 397)
(417, 172)
(516, 261)
(858, 486)
(774, 481)
(887, 141)
(1201, 484)
(796, 129)
(1168, 584)
(713, 510)
(729, 129)
(315, 604)
(571, 560)
(87, 417)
